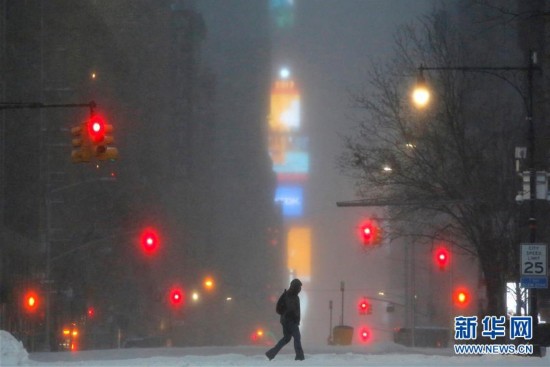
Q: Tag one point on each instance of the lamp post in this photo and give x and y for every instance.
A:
(421, 97)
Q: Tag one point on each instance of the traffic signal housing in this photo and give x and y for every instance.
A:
(93, 139)
(370, 233)
(100, 135)
(365, 308)
(82, 150)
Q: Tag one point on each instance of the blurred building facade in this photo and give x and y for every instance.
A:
(191, 164)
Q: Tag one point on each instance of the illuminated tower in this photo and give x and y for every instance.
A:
(288, 144)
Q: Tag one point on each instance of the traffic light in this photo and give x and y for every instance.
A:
(96, 129)
(91, 312)
(31, 301)
(442, 257)
(258, 335)
(370, 233)
(365, 308)
(364, 334)
(149, 240)
(461, 297)
(92, 139)
(81, 143)
(98, 133)
(176, 297)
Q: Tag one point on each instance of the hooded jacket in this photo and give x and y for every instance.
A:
(292, 310)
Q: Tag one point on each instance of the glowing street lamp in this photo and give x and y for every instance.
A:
(284, 73)
(421, 92)
(208, 283)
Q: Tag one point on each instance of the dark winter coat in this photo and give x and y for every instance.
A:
(292, 301)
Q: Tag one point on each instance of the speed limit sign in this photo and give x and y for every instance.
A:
(534, 265)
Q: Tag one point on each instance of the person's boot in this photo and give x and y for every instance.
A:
(270, 355)
(299, 357)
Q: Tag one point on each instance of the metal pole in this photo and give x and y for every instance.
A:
(342, 286)
(406, 285)
(330, 323)
(413, 291)
(533, 294)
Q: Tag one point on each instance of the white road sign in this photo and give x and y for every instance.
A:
(534, 259)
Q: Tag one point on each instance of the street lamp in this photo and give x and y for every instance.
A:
(421, 92)
(421, 97)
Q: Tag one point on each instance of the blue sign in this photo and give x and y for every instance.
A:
(291, 198)
(534, 282)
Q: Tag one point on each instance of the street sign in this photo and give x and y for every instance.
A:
(534, 282)
(534, 265)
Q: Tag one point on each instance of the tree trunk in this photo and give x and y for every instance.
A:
(495, 281)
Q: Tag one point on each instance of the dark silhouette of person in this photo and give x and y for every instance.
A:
(290, 320)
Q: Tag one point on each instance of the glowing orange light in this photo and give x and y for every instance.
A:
(209, 283)
(461, 297)
(31, 301)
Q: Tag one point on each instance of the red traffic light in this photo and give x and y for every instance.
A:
(96, 128)
(442, 257)
(461, 297)
(364, 334)
(176, 297)
(31, 301)
(367, 232)
(364, 307)
(370, 233)
(149, 240)
(91, 312)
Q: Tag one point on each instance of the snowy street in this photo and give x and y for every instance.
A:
(12, 353)
(253, 356)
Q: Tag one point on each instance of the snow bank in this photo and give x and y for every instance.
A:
(12, 352)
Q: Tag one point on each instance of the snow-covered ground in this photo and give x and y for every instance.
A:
(389, 354)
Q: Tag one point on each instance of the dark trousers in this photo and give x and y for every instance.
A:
(290, 330)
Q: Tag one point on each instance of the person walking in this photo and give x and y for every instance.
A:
(288, 307)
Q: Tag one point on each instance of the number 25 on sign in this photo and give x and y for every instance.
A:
(533, 259)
